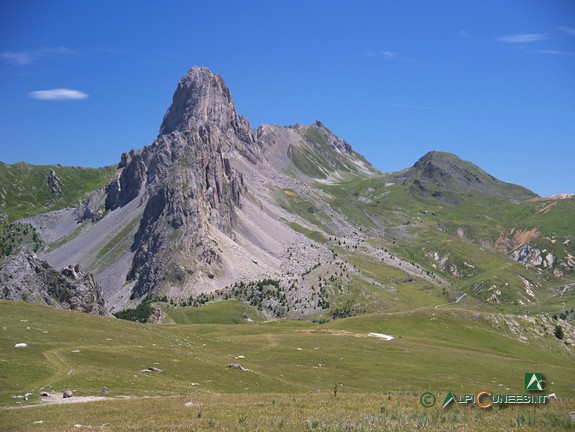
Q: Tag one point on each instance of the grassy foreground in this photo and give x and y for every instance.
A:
(284, 412)
(293, 368)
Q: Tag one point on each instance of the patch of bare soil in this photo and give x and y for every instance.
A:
(515, 239)
(57, 399)
(332, 332)
(544, 209)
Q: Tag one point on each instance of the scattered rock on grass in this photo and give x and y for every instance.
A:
(381, 336)
(235, 366)
(68, 394)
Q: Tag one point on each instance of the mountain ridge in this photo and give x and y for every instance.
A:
(213, 206)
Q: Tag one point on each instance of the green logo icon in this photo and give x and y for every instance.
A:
(427, 399)
(534, 381)
(448, 399)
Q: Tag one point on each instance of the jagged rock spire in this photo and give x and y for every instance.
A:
(188, 166)
(201, 98)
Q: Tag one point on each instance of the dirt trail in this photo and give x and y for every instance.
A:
(62, 370)
(58, 399)
(455, 302)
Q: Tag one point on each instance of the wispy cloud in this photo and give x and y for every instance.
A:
(58, 51)
(23, 58)
(16, 58)
(388, 56)
(523, 38)
(568, 30)
(552, 52)
(58, 94)
(414, 107)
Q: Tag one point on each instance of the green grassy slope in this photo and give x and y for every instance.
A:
(438, 349)
(459, 239)
(223, 312)
(293, 369)
(444, 175)
(24, 191)
(316, 156)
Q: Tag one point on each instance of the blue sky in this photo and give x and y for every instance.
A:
(491, 81)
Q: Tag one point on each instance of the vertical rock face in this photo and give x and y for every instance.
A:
(187, 181)
(54, 183)
(200, 99)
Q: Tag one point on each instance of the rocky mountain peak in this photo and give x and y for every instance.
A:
(332, 140)
(201, 98)
(186, 181)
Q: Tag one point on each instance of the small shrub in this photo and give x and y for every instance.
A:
(141, 314)
(313, 423)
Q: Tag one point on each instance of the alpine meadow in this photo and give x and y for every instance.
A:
(231, 278)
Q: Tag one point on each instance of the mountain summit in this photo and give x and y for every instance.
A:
(187, 180)
(440, 174)
(202, 99)
(294, 221)
(197, 209)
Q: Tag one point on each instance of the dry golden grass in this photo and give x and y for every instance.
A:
(285, 412)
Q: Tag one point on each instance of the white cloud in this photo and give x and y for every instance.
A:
(552, 52)
(55, 52)
(23, 58)
(388, 55)
(568, 30)
(58, 94)
(523, 38)
(16, 58)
